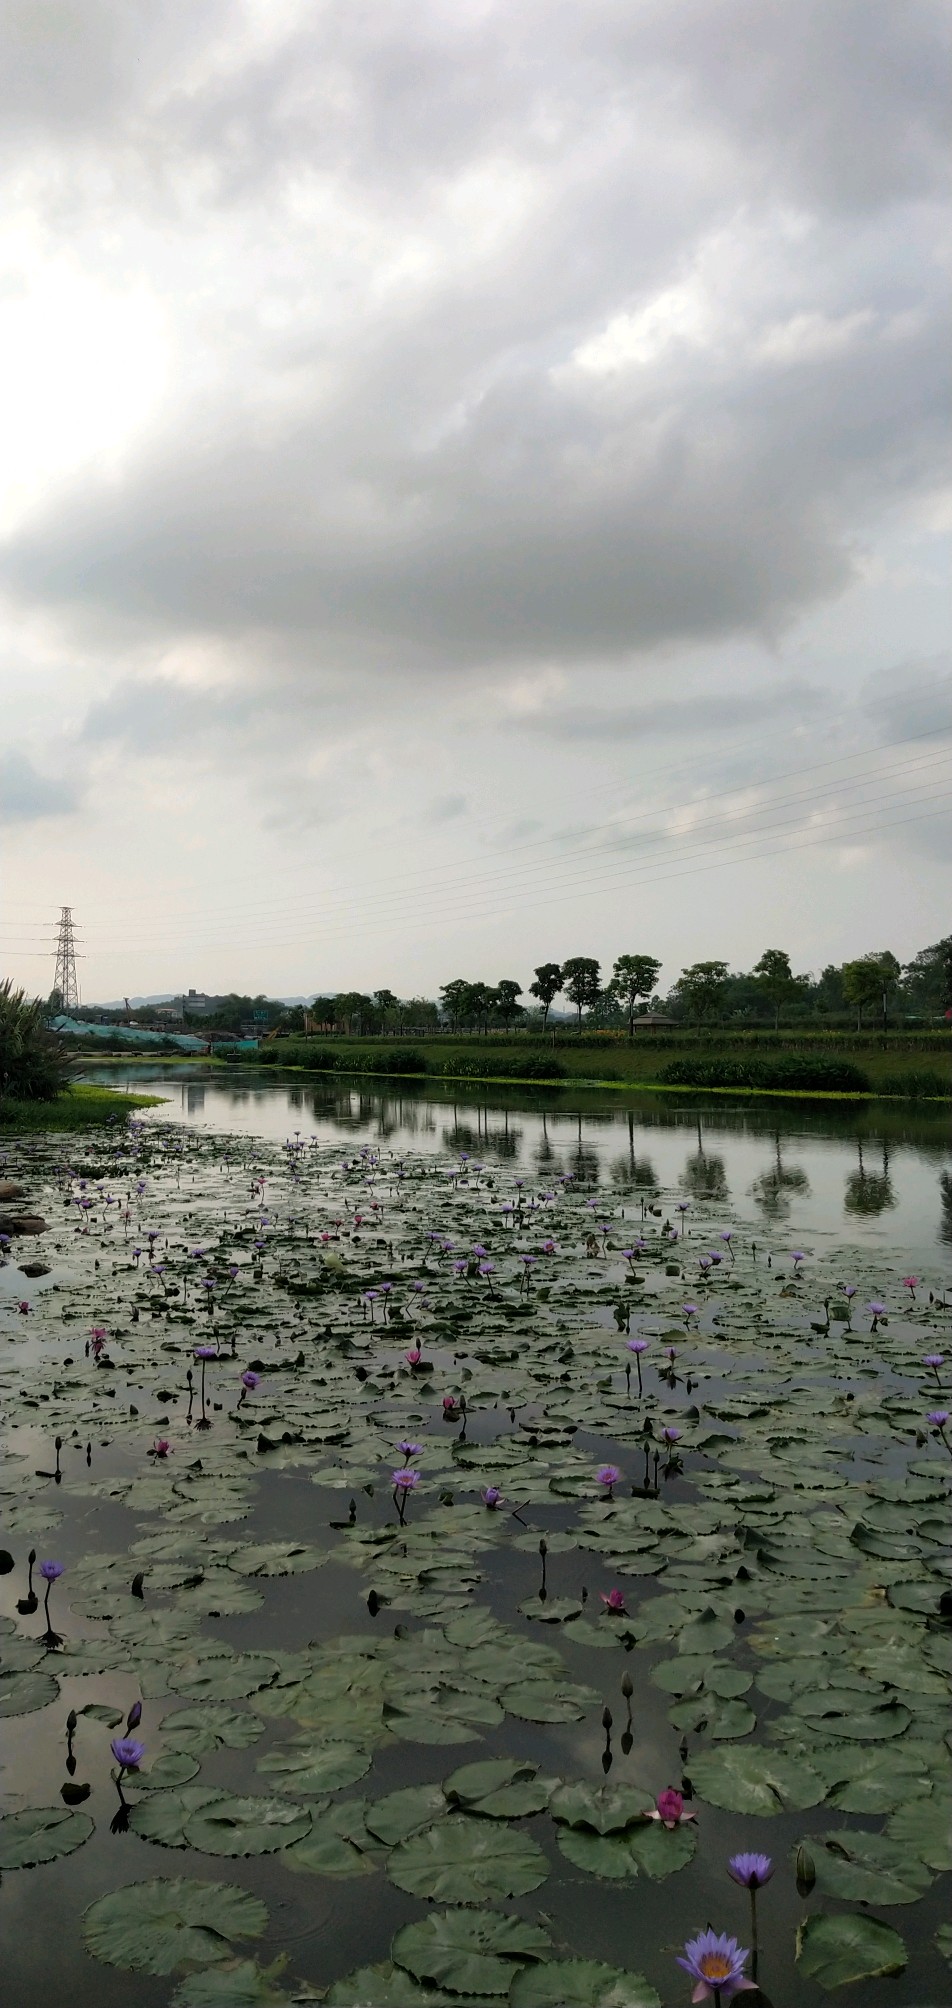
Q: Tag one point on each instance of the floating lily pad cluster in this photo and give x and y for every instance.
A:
(446, 1355)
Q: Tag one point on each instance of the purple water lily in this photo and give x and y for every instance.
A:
(128, 1752)
(716, 1963)
(608, 1475)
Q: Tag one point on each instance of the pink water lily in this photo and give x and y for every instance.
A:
(614, 1601)
(669, 1808)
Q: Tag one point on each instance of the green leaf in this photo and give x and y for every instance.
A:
(311, 1768)
(162, 1816)
(464, 1860)
(836, 1951)
(41, 1834)
(499, 1789)
(867, 1868)
(471, 1952)
(228, 1678)
(248, 1826)
(153, 1927)
(386, 1986)
(239, 1983)
(606, 1809)
(875, 1779)
(925, 1828)
(23, 1693)
(276, 1558)
(581, 1983)
(646, 1848)
(406, 1812)
(549, 1701)
(323, 1852)
(755, 1780)
(210, 1727)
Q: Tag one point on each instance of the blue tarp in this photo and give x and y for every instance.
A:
(126, 1035)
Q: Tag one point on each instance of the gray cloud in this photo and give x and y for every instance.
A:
(912, 698)
(446, 487)
(718, 712)
(27, 796)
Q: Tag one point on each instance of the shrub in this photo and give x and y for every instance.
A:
(789, 1070)
(33, 1062)
(918, 1084)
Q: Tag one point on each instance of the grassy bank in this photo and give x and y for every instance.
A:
(82, 1106)
(917, 1066)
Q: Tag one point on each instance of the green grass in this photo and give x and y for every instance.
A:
(80, 1107)
(916, 1065)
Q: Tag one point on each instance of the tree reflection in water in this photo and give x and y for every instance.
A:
(704, 1176)
(945, 1201)
(632, 1170)
(869, 1192)
(775, 1186)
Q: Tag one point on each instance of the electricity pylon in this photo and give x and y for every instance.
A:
(64, 980)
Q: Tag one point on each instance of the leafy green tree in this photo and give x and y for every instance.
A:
(548, 983)
(633, 976)
(508, 993)
(928, 978)
(701, 988)
(776, 979)
(455, 998)
(33, 1062)
(580, 981)
(869, 980)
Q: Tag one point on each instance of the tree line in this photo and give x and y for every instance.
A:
(705, 993)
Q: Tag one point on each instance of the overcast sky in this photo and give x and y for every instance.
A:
(472, 486)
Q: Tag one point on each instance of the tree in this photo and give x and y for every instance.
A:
(776, 979)
(508, 992)
(701, 989)
(633, 976)
(869, 980)
(580, 981)
(928, 978)
(546, 987)
(454, 998)
(33, 1063)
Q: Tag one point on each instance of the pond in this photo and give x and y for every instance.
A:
(881, 1171)
(438, 1483)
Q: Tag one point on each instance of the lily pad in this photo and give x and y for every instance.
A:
(23, 1693)
(581, 1983)
(211, 1727)
(837, 1951)
(276, 1558)
(868, 1868)
(499, 1789)
(406, 1812)
(745, 1779)
(464, 1860)
(153, 1927)
(310, 1768)
(248, 1826)
(239, 1983)
(41, 1834)
(925, 1828)
(470, 1952)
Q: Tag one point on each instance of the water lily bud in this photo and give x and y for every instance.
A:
(627, 1686)
(543, 1548)
(606, 1718)
(805, 1871)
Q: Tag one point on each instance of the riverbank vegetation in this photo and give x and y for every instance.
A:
(916, 1066)
(80, 1106)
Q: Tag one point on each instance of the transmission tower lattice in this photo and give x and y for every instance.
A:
(64, 980)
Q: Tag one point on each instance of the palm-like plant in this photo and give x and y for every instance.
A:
(33, 1063)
